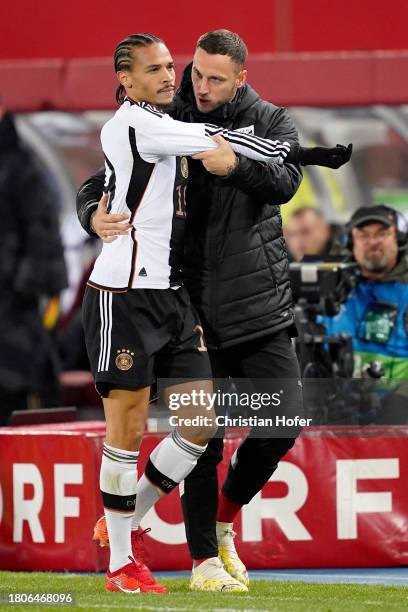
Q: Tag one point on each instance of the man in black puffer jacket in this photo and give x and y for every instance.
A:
(237, 273)
(236, 261)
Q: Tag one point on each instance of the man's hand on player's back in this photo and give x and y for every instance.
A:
(108, 227)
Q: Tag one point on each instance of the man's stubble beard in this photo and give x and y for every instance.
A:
(166, 108)
(376, 264)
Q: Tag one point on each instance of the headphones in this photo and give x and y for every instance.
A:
(402, 235)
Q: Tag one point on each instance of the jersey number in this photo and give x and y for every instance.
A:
(199, 330)
(181, 200)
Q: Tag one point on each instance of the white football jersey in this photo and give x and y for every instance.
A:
(146, 175)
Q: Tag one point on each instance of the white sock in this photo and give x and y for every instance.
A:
(146, 496)
(118, 481)
(119, 526)
(170, 462)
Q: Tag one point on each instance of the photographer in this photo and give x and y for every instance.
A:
(376, 311)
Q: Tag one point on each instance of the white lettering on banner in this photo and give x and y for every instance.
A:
(162, 531)
(282, 509)
(27, 509)
(350, 502)
(65, 473)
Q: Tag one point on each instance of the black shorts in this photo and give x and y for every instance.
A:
(135, 337)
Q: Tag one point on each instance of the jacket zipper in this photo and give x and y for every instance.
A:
(213, 276)
(213, 298)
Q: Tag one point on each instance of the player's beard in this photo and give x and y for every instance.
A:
(166, 108)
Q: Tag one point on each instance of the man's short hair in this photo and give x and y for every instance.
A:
(224, 42)
(299, 212)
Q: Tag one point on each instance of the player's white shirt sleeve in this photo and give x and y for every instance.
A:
(159, 135)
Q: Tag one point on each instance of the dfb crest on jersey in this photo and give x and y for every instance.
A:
(184, 167)
(124, 359)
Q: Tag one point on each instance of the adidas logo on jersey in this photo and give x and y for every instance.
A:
(142, 272)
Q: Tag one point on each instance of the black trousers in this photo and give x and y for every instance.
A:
(269, 357)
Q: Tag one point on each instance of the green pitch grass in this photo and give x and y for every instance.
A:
(263, 596)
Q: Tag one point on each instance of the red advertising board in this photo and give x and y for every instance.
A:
(338, 499)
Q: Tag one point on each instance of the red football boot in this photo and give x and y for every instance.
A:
(142, 572)
(129, 579)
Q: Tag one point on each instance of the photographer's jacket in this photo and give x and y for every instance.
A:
(236, 265)
(376, 316)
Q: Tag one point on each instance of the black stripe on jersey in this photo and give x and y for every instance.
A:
(270, 145)
(141, 173)
(146, 106)
(111, 188)
(267, 147)
(176, 255)
(151, 109)
(134, 255)
(258, 148)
